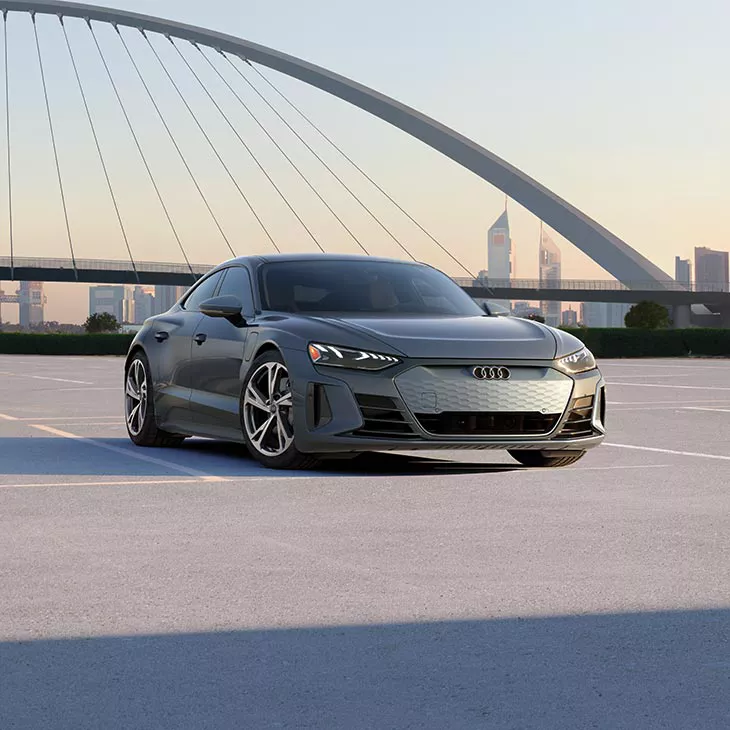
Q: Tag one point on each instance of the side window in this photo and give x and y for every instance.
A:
(204, 290)
(237, 283)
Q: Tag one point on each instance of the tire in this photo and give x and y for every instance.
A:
(546, 458)
(267, 415)
(139, 407)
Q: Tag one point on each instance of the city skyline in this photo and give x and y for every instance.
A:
(562, 148)
(81, 309)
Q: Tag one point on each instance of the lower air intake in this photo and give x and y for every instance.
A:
(580, 419)
(383, 417)
(488, 424)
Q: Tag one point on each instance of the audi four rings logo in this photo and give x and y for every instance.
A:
(489, 372)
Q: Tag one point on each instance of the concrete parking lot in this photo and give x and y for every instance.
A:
(189, 588)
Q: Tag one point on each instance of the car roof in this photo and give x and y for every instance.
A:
(286, 257)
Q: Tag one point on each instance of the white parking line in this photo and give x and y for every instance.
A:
(122, 483)
(256, 478)
(655, 375)
(612, 403)
(668, 451)
(675, 407)
(652, 366)
(129, 453)
(43, 377)
(68, 419)
(8, 418)
(714, 410)
(662, 385)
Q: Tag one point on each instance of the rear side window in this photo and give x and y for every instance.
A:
(204, 290)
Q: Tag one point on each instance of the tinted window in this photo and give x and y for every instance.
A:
(362, 287)
(204, 290)
(237, 283)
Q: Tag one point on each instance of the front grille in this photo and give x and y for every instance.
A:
(458, 423)
(580, 419)
(383, 416)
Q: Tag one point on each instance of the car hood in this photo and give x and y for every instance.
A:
(473, 338)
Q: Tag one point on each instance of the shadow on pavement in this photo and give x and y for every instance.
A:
(58, 456)
(644, 670)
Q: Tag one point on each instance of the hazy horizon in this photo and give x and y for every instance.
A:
(619, 109)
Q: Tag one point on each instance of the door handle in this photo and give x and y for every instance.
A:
(161, 336)
(201, 338)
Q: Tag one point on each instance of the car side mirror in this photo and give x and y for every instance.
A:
(226, 306)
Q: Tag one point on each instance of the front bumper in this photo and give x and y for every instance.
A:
(330, 413)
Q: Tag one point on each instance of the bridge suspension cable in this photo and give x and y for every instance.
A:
(319, 157)
(210, 141)
(97, 143)
(248, 149)
(7, 139)
(140, 150)
(53, 144)
(354, 164)
(183, 159)
(276, 144)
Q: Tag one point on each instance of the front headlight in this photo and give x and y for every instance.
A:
(578, 362)
(343, 357)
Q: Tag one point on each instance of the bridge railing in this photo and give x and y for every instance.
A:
(592, 285)
(102, 265)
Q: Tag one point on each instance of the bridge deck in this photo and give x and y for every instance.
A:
(93, 271)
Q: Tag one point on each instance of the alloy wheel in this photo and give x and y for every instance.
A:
(135, 397)
(267, 410)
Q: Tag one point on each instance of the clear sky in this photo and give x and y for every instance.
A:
(619, 106)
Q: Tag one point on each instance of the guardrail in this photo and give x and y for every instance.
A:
(593, 285)
(170, 270)
(102, 265)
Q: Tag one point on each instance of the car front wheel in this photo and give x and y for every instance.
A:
(546, 458)
(267, 415)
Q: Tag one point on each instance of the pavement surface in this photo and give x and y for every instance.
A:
(189, 588)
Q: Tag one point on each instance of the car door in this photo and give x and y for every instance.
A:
(217, 360)
(170, 349)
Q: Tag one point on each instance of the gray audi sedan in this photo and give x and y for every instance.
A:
(304, 356)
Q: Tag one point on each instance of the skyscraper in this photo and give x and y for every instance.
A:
(499, 250)
(550, 277)
(144, 303)
(166, 297)
(31, 300)
(603, 314)
(115, 300)
(683, 271)
(712, 269)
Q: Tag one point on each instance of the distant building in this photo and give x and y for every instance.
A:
(31, 301)
(115, 300)
(144, 305)
(499, 250)
(603, 314)
(712, 269)
(525, 309)
(166, 297)
(499, 254)
(569, 318)
(550, 277)
(683, 271)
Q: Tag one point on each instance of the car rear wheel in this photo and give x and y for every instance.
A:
(139, 408)
(546, 458)
(267, 415)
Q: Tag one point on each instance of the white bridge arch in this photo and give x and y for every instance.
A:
(606, 249)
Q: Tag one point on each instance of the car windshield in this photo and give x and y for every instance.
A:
(362, 287)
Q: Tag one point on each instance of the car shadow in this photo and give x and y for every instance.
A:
(63, 457)
(666, 670)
